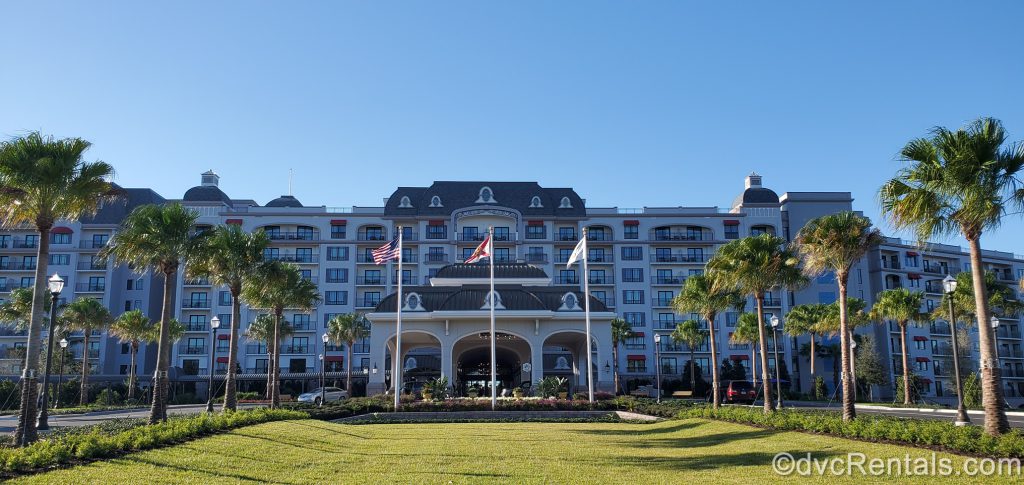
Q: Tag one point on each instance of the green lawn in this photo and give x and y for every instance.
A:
(687, 451)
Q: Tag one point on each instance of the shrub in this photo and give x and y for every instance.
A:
(972, 391)
(820, 389)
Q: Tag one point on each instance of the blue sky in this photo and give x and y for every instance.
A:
(632, 103)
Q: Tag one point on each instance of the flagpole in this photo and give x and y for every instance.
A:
(586, 317)
(396, 376)
(494, 337)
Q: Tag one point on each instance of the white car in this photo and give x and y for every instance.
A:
(329, 394)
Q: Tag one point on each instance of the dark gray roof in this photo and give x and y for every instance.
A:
(114, 212)
(284, 201)
(757, 195)
(471, 297)
(457, 195)
(206, 193)
(483, 270)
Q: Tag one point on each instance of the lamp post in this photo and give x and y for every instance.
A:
(323, 372)
(55, 284)
(214, 323)
(657, 364)
(853, 365)
(949, 285)
(60, 373)
(775, 337)
(995, 328)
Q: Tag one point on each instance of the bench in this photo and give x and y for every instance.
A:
(682, 394)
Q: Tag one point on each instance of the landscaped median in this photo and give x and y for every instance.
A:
(104, 442)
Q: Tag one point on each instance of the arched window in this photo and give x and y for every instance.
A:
(535, 202)
(435, 201)
(570, 302)
(486, 196)
(405, 203)
(495, 298)
(412, 302)
(565, 204)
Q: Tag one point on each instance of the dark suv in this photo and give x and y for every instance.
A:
(738, 392)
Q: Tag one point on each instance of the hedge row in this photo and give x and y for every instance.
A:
(96, 443)
(916, 432)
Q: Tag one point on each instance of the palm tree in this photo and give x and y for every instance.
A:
(228, 257)
(160, 238)
(805, 319)
(621, 331)
(902, 306)
(963, 182)
(703, 295)
(132, 327)
(87, 315)
(262, 330)
(835, 243)
(275, 287)
(17, 310)
(747, 333)
(754, 266)
(1002, 299)
(689, 332)
(348, 328)
(43, 180)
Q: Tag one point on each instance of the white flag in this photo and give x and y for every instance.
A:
(579, 252)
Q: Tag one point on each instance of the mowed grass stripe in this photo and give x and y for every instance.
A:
(310, 451)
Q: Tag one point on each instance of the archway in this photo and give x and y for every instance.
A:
(421, 360)
(472, 363)
(565, 355)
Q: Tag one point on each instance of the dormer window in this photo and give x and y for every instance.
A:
(535, 202)
(435, 201)
(486, 196)
(570, 302)
(405, 203)
(565, 204)
(412, 302)
(493, 297)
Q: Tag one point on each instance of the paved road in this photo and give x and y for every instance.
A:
(977, 417)
(10, 422)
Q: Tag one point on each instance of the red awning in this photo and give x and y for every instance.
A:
(923, 359)
(638, 334)
(534, 223)
(911, 253)
(913, 276)
(237, 222)
(632, 222)
(61, 230)
(636, 357)
(334, 358)
(222, 360)
(920, 339)
(926, 381)
(739, 357)
(223, 337)
(731, 222)
(436, 222)
(338, 222)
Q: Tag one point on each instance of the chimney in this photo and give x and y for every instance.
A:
(210, 179)
(753, 181)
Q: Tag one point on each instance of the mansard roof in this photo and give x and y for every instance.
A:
(473, 297)
(483, 271)
(458, 195)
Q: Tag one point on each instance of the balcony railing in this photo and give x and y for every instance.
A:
(669, 280)
(561, 236)
(293, 236)
(600, 258)
(679, 258)
(538, 258)
(13, 285)
(90, 287)
(609, 301)
(304, 326)
(930, 288)
(601, 280)
(665, 324)
(202, 304)
(940, 328)
(17, 266)
(371, 236)
(92, 266)
(293, 257)
(656, 235)
(256, 349)
(371, 280)
(197, 282)
(772, 302)
(90, 244)
(472, 236)
(661, 301)
(934, 269)
(367, 302)
(295, 349)
(19, 243)
(567, 280)
(1006, 333)
(436, 258)
(191, 349)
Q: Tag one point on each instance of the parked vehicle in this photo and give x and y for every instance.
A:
(330, 394)
(738, 392)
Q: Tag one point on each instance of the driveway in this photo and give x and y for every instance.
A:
(9, 423)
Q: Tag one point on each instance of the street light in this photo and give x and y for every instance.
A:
(949, 285)
(55, 284)
(323, 372)
(214, 324)
(995, 336)
(60, 374)
(657, 364)
(775, 337)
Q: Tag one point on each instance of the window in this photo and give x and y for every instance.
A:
(97, 283)
(910, 260)
(123, 369)
(405, 203)
(486, 196)
(669, 365)
(501, 234)
(636, 342)
(271, 254)
(29, 262)
(196, 323)
(467, 252)
(439, 231)
(125, 349)
(565, 203)
(224, 298)
(599, 234)
(31, 241)
(632, 253)
(130, 283)
(304, 255)
(634, 297)
(337, 275)
(60, 238)
(563, 254)
(371, 277)
(127, 305)
(921, 365)
(373, 233)
(471, 234)
(631, 231)
(301, 321)
(338, 231)
(921, 344)
(535, 202)
(636, 365)
(632, 275)
(695, 255)
(337, 253)
(536, 232)
(566, 233)
(502, 255)
(914, 283)
(731, 318)
(732, 231)
(297, 366)
(435, 201)
(635, 319)
(665, 298)
(61, 260)
(567, 277)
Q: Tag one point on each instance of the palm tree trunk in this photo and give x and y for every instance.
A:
(753, 363)
(83, 388)
(158, 410)
(769, 402)
(270, 362)
(131, 370)
(991, 382)
(814, 382)
(348, 366)
(615, 366)
(714, 361)
(230, 382)
(275, 395)
(906, 363)
(26, 433)
(849, 410)
(693, 379)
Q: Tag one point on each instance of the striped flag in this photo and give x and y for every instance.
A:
(388, 252)
(482, 251)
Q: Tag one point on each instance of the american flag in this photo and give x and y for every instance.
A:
(387, 252)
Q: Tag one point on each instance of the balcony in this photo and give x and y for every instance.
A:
(661, 302)
(195, 327)
(371, 280)
(943, 349)
(669, 280)
(256, 349)
(939, 328)
(90, 287)
(1005, 276)
(887, 264)
(665, 324)
(8, 285)
(305, 326)
(197, 282)
(679, 258)
(537, 258)
(566, 280)
(195, 304)
(294, 236)
(934, 269)
(1004, 332)
(371, 236)
(604, 257)
(436, 258)
(17, 266)
(367, 302)
(1007, 353)
(21, 243)
(657, 235)
(933, 288)
(567, 237)
(92, 266)
(365, 258)
(295, 349)
(777, 302)
(191, 349)
(90, 244)
(475, 237)
(601, 280)
(293, 257)
(609, 301)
